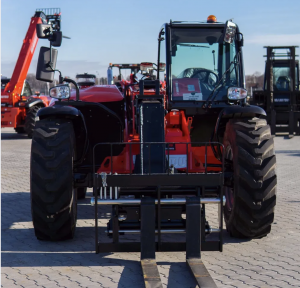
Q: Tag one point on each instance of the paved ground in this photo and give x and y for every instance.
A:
(273, 261)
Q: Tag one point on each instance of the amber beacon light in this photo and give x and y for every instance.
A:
(211, 19)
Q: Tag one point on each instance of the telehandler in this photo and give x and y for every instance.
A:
(19, 105)
(158, 154)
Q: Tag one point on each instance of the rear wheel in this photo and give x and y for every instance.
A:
(53, 197)
(30, 120)
(250, 202)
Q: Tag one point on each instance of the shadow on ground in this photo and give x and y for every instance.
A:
(20, 248)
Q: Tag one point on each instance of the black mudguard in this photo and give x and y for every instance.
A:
(59, 111)
(34, 101)
(72, 113)
(242, 111)
(234, 112)
(238, 112)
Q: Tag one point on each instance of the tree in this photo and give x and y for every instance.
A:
(254, 81)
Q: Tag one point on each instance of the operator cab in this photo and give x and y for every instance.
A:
(202, 61)
(146, 72)
(85, 80)
(121, 72)
(26, 91)
(282, 76)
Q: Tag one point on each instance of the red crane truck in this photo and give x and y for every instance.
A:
(18, 104)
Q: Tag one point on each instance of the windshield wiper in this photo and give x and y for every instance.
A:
(192, 45)
(206, 104)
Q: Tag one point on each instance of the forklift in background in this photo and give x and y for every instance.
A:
(280, 97)
(18, 104)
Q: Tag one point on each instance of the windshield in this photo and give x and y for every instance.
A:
(281, 78)
(86, 80)
(123, 73)
(199, 58)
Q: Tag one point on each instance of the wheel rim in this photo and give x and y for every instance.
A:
(228, 191)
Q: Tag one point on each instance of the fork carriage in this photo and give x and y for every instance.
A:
(153, 204)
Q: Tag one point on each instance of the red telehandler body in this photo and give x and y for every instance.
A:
(18, 104)
(159, 152)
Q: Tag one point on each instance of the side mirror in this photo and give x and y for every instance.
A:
(229, 32)
(43, 31)
(56, 39)
(46, 64)
(60, 92)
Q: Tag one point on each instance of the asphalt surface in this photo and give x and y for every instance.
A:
(273, 261)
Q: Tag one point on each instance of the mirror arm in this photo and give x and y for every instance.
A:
(160, 38)
(50, 64)
(68, 80)
(242, 39)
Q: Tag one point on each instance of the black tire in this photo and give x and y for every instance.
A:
(20, 130)
(250, 203)
(53, 197)
(30, 120)
(81, 192)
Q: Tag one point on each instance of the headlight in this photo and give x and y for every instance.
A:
(60, 92)
(235, 93)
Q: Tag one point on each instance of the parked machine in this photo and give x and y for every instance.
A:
(85, 80)
(19, 105)
(159, 154)
(134, 68)
(280, 97)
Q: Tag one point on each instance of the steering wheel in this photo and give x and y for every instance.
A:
(206, 76)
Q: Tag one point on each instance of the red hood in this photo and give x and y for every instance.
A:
(98, 93)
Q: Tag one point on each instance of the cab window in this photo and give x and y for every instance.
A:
(26, 89)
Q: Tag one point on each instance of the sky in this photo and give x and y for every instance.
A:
(126, 31)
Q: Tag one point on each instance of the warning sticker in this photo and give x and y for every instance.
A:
(192, 96)
(187, 88)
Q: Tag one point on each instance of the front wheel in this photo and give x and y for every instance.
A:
(53, 196)
(250, 202)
